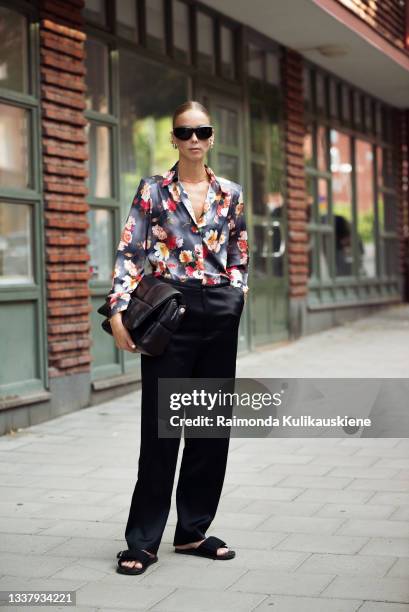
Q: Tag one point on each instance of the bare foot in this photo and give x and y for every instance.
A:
(220, 551)
(136, 564)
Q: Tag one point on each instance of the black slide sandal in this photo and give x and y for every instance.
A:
(208, 549)
(134, 555)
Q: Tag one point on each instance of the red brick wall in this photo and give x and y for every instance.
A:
(295, 174)
(64, 153)
(403, 217)
(387, 17)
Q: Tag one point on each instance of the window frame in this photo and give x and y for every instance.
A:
(355, 288)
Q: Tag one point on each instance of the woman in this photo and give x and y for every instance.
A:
(190, 226)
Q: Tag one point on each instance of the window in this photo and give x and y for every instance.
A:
(205, 42)
(155, 25)
(126, 19)
(145, 121)
(349, 157)
(95, 12)
(227, 52)
(21, 209)
(181, 32)
(364, 168)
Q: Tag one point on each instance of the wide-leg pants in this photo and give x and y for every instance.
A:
(204, 346)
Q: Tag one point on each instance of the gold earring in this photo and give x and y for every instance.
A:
(174, 145)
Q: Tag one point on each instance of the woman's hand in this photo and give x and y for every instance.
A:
(121, 335)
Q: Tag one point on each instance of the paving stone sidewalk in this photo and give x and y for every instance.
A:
(319, 525)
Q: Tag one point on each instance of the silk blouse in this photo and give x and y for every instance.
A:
(162, 229)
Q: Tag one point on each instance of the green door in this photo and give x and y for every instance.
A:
(269, 321)
(226, 158)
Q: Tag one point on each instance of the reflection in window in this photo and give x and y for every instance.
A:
(323, 208)
(227, 52)
(13, 51)
(181, 31)
(342, 201)
(14, 148)
(308, 146)
(365, 208)
(126, 18)
(99, 163)
(205, 42)
(97, 76)
(146, 119)
(322, 148)
(16, 253)
(155, 25)
(100, 246)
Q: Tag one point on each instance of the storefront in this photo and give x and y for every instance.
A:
(86, 98)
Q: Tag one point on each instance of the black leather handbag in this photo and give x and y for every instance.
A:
(154, 312)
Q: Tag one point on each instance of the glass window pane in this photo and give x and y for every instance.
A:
(322, 148)
(146, 119)
(181, 31)
(260, 251)
(320, 92)
(342, 201)
(97, 77)
(258, 176)
(308, 146)
(307, 87)
(357, 102)
(256, 127)
(100, 245)
(228, 166)
(13, 51)
(155, 25)
(126, 17)
(16, 253)
(227, 127)
(310, 197)
(323, 207)
(227, 52)
(390, 257)
(99, 163)
(325, 248)
(14, 147)
(272, 69)
(95, 11)
(333, 98)
(346, 103)
(205, 42)
(387, 212)
(365, 208)
(368, 114)
(255, 62)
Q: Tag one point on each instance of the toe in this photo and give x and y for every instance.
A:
(222, 551)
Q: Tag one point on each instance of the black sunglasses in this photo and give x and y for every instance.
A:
(203, 132)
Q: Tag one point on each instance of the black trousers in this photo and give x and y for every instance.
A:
(204, 346)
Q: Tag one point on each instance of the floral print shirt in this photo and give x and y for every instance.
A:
(161, 227)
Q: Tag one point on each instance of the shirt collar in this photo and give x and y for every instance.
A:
(172, 175)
